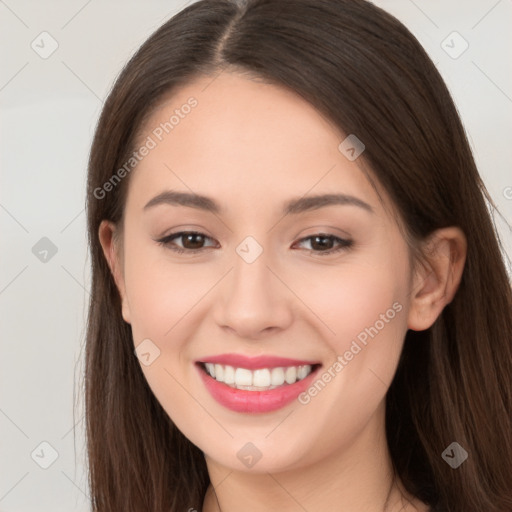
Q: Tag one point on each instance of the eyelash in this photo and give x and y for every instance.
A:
(166, 242)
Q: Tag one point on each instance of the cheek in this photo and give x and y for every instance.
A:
(363, 310)
(161, 293)
(350, 301)
(165, 300)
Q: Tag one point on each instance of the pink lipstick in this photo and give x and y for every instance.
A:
(256, 384)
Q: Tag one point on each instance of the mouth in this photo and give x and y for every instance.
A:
(263, 388)
(261, 379)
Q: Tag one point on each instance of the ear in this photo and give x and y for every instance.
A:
(112, 254)
(436, 281)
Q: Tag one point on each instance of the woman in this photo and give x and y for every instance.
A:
(298, 297)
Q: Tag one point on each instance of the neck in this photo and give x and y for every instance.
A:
(357, 477)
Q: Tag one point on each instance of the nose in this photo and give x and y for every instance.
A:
(254, 300)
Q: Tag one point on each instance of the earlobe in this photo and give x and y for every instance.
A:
(437, 279)
(112, 255)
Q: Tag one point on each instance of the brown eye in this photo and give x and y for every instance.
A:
(322, 244)
(192, 241)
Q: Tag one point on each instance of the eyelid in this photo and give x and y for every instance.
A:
(165, 240)
(343, 243)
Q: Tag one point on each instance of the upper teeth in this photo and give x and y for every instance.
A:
(242, 378)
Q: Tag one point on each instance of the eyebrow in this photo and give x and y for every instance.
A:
(293, 206)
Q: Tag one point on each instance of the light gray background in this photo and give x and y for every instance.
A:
(49, 108)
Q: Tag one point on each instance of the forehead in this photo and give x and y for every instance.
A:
(232, 137)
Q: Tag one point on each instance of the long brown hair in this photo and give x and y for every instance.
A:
(368, 74)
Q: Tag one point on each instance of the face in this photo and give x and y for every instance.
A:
(317, 295)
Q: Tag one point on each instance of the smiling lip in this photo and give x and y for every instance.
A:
(254, 363)
(240, 400)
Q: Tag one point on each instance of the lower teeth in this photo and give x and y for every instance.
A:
(253, 388)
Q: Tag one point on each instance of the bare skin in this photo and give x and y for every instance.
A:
(251, 147)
